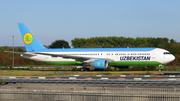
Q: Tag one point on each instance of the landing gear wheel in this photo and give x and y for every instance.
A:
(85, 69)
(82, 69)
(161, 68)
(98, 69)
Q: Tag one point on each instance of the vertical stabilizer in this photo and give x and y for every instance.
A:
(30, 41)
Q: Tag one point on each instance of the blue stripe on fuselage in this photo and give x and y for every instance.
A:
(94, 49)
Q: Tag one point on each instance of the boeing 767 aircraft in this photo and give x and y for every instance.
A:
(99, 58)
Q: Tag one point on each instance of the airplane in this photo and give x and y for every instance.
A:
(99, 58)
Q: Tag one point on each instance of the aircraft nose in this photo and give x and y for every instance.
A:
(168, 58)
(173, 57)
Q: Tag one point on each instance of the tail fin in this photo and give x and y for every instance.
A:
(30, 41)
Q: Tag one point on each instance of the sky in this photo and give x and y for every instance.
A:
(51, 20)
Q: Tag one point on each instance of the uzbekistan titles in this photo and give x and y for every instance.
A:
(135, 58)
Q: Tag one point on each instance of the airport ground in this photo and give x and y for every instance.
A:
(65, 92)
(67, 70)
(92, 85)
(88, 92)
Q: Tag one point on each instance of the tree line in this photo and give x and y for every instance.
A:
(119, 42)
(123, 42)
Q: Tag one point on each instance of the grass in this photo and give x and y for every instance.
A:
(25, 73)
(52, 73)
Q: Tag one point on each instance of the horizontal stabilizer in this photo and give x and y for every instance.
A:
(14, 52)
(22, 53)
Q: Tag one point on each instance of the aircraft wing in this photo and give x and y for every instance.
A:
(78, 58)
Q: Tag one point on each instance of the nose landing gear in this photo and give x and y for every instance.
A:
(160, 67)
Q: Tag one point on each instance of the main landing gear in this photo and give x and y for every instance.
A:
(85, 68)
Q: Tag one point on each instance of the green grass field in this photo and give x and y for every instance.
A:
(53, 73)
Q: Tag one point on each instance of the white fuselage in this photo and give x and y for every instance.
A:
(157, 54)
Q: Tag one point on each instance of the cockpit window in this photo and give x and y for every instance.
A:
(166, 53)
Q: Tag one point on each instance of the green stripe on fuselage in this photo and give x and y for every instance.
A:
(133, 63)
(115, 63)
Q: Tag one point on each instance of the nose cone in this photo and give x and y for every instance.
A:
(173, 57)
(168, 58)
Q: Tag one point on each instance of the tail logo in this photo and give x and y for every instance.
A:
(28, 38)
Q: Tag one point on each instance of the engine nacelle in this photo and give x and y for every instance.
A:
(122, 67)
(99, 64)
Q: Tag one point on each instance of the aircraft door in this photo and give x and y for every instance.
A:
(154, 55)
(164, 57)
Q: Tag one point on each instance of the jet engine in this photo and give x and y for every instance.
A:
(99, 64)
